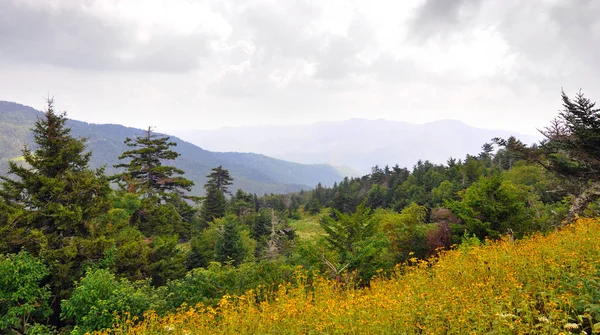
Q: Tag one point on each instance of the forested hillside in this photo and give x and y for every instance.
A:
(489, 243)
(253, 173)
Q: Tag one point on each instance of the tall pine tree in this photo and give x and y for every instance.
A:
(214, 205)
(50, 202)
(145, 172)
(162, 187)
(220, 179)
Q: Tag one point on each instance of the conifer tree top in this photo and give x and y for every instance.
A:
(145, 172)
(57, 151)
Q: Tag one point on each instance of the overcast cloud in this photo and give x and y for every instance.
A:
(205, 64)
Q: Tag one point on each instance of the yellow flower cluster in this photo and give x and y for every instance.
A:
(524, 287)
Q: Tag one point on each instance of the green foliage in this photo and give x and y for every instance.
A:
(406, 232)
(167, 261)
(242, 204)
(208, 285)
(23, 298)
(229, 246)
(492, 206)
(154, 218)
(214, 205)
(129, 202)
(355, 239)
(220, 179)
(573, 140)
(133, 242)
(309, 254)
(348, 229)
(145, 172)
(99, 298)
(261, 224)
(132, 254)
(447, 190)
(203, 247)
(314, 205)
(570, 150)
(50, 205)
(377, 196)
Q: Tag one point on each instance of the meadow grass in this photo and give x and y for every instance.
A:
(539, 285)
(308, 227)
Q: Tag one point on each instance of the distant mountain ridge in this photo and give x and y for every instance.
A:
(356, 143)
(253, 173)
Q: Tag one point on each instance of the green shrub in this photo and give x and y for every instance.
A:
(99, 298)
(22, 297)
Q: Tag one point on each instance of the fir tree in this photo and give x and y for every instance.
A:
(50, 203)
(220, 179)
(229, 245)
(571, 149)
(145, 172)
(214, 205)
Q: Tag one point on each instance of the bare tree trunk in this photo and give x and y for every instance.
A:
(580, 203)
(272, 247)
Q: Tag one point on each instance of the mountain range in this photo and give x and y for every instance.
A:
(253, 173)
(355, 145)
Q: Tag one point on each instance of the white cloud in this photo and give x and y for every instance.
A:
(210, 63)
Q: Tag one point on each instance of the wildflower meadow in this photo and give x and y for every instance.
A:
(542, 284)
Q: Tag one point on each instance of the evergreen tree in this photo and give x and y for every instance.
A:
(163, 210)
(214, 205)
(49, 205)
(220, 179)
(492, 206)
(261, 224)
(242, 204)
(571, 149)
(313, 206)
(229, 245)
(145, 172)
(167, 261)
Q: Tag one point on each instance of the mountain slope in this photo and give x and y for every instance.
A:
(357, 143)
(251, 172)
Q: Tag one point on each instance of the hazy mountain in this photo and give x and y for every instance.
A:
(357, 143)
(252, 172)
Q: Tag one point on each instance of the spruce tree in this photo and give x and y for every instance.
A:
(229, 246)
(163, 190)
(220, 179)
(214, 205)
(145, 172)
(50, 202)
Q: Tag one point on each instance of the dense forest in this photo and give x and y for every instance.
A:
(81, 250)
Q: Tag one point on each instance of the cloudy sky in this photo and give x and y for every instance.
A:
(205, 64)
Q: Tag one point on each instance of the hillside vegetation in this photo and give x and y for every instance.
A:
(540, 284)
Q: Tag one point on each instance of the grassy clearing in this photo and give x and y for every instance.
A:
(539, 285)
(308, 227)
